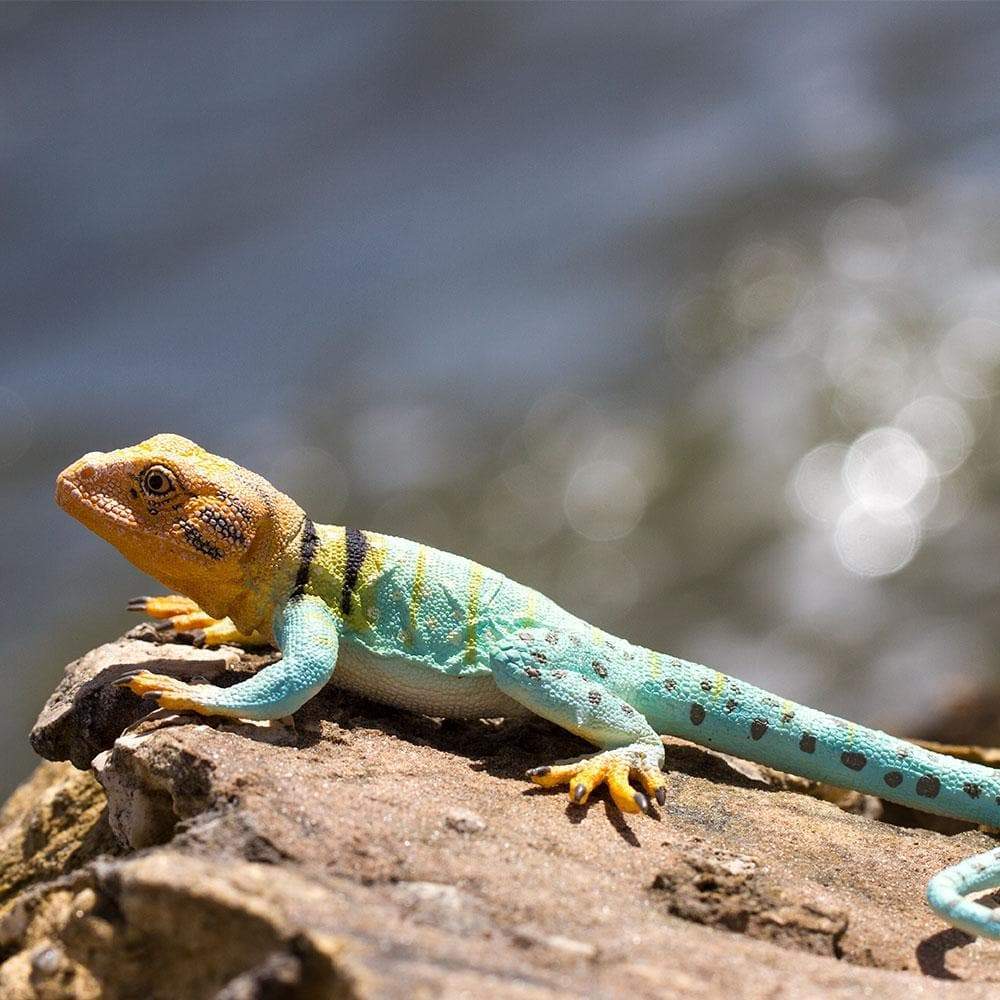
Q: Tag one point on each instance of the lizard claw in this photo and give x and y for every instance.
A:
(167, 692)
(122, 680)
(613, 768)
(165, 606)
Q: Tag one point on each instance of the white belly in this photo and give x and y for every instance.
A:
(420, 688)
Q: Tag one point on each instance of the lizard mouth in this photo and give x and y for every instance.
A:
(99, 511)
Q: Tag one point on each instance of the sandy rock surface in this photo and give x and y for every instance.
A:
(365, 852)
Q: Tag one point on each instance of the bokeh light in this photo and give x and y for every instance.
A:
(885, 469)
(818, 483)
(604, 500)
(943, 429)
(876, 542)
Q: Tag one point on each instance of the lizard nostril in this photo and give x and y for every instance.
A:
(86, 467)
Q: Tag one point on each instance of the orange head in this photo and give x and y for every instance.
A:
(198, 523)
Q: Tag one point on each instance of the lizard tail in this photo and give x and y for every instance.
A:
(947, 893)
(718, 711)
(710, 708)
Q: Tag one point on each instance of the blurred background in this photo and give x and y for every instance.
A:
(688, 315)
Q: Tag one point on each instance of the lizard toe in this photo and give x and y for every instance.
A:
(167, 692)
(653, 782)
(165, 606)
(613, 768)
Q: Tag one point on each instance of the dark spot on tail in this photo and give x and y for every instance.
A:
(706, 685)
(972, 790)
(807, 744)
(854, 760)
(732, 705)
(757, 728)
(594, 697)
(599, 668)
(928, 786)
(893, 778)
(697, 714)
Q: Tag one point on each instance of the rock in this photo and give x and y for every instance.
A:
(86, 712)
(465, 821)
(55, 821)
(711, 886)
(364, 852)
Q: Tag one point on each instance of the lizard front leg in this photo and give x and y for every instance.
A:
(306, 633)
(539, 669)
(178, 615)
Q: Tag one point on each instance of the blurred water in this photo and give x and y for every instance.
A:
(684, 313)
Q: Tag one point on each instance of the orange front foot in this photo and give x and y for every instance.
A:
(181, 617)
(165, 606)
(167, 692)
(613, 768)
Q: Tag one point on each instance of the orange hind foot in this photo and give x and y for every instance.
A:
(613, 768)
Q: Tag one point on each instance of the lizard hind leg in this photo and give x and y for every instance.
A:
(546, 674)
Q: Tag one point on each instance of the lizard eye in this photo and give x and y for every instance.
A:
(157, 480)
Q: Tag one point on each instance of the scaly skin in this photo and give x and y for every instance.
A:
(422, 629)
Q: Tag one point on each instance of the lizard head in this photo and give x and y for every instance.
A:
(200, 524)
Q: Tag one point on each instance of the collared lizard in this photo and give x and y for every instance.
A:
(433, 632)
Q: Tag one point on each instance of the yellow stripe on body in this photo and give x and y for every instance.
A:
(718, 683)
(530, 607)
(472, 612)
(417, 594)
(655, 664)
